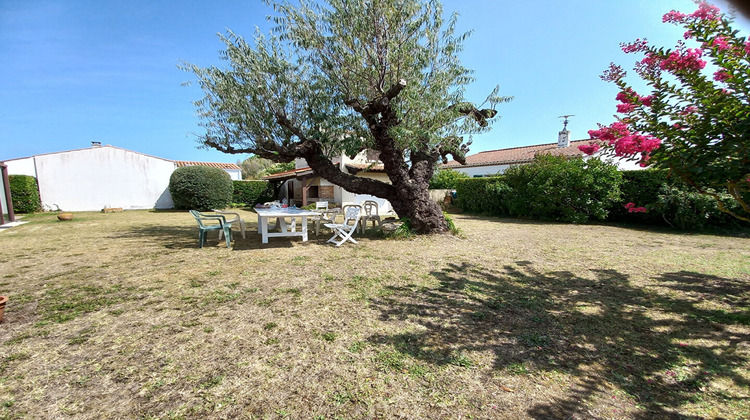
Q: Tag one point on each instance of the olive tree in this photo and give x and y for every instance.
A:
(346, 76)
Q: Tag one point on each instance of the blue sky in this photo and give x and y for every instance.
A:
(78, 71)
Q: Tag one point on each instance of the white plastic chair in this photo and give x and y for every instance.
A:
(370, 208)
(236, 219)
(342, 232)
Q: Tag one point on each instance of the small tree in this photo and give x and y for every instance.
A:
(347, 76)
(256, 167)
(695, 120)
(200, 188)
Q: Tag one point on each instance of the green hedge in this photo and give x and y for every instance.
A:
(551, 187)
(200, 188)
(25, 193)
(553, 190)
(482, 195)
(249, 193)
(561, 188)
(446, 179)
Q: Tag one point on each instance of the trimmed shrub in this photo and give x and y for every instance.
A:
(446, 179)
(482, 195)
(200, 188)
(25, 193)
(561, 188)
(249, 193)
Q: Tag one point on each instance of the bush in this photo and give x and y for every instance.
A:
(200, 188)
(25, 193)
(249, 193)
(446, 179)
(641, 188)
(561, 188)
(482, 195)
(669, 202)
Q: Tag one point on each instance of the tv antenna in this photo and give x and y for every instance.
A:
(565, 122)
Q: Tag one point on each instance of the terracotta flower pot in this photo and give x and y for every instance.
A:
(65, 216)
(3, 299)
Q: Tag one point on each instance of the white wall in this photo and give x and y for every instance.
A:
(22, 166)
(481, 170)
(91, 179)
(235, 174)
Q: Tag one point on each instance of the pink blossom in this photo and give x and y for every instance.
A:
(722, 75)
(706, 12)
(589, 149)
(629, 206)
(687, 34)
(673, 17)
(747, 47)
(625, 108)
(624, 142)
(639, 45)
(646, 100)
(721, 43)
(689, 110)
(637, 210)
(689, 60)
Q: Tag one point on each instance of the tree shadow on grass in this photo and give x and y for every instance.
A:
(661, 343)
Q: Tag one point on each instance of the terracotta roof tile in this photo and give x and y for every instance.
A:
(519, 154)
(181, 163)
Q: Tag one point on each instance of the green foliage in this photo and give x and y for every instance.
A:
(25, 193)
(642, 188)
(446, 179)
(560, 188)
(200, 188)
(482, 195)
(669, 203)
(686, 209)
(700, 112)
(451, 224)
(404, 231)
(249, 193)
(255, 167)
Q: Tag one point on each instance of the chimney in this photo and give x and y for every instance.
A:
(96, 144)
(563, 137)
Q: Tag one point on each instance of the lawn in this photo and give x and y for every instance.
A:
(121, 315)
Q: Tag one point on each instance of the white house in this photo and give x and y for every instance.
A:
(301, 185)
(493, 162)
(102, 176)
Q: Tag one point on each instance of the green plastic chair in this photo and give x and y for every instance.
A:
(204, 228)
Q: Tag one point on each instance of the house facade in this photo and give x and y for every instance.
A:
(101, 176)
(301, 186)
(494, 162)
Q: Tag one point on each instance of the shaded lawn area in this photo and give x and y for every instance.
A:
(121, 315)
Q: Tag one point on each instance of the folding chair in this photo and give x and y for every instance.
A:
(342, 232)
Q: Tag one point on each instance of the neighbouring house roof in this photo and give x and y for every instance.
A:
(306, 171)
(181, 163)
(516, 155)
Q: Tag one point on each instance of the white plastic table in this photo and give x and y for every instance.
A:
(281, 214)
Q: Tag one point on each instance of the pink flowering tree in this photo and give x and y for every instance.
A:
(695, 121)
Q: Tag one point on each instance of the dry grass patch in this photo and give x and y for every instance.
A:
(120, 315)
